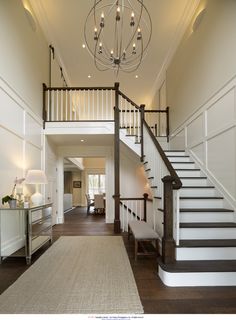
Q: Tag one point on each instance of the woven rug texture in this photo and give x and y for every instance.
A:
(77, 274)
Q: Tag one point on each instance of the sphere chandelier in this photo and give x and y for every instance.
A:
(117, 34)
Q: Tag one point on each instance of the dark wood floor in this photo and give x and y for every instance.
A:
(155, 296)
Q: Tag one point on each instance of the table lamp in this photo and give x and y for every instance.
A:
(36, 177)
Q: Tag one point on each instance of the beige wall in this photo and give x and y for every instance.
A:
(204, 61)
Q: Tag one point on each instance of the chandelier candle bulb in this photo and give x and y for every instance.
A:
(102, 21)
(118, 14)
(132, 19)
(95, 33)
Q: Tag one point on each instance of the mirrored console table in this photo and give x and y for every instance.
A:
(24, 230)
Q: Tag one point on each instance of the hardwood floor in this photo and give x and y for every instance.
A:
(155, 296)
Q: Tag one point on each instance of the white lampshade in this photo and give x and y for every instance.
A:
(36, 177)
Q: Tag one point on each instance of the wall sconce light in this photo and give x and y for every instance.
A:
(197, 21)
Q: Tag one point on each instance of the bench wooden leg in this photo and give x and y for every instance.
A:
(157, 246)
(128, 232)
(135, 249)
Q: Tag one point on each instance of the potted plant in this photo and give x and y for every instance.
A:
(11, 200)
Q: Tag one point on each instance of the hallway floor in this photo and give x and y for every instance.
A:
(155, 296)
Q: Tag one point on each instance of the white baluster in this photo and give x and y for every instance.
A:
(93, 114)
(98, 105)
(102, 106)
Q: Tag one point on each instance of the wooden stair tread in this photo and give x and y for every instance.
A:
(154, 187)
(174, 150)
(145, 162)
(199, 266)
(205, 210)
(150, 178)
(207, 243)
(200, 198)
(208, 225)
(187, 169)
(197, 187)
(182, 162)
(193, 177)
(178, 157)
(147, 170)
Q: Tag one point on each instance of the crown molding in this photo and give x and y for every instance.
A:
(187, 16)
(41, 16)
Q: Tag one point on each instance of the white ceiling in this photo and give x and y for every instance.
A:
(63, 20)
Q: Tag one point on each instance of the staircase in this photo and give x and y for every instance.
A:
(196, 224)
(206, 243)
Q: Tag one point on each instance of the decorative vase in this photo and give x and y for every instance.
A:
(12, 203)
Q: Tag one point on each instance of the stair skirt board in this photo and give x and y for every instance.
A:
(193, 279)
(207, 233)
(206, 253)
(193, 182)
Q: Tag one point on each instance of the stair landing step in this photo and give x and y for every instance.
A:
(205, 210)
(207, 243)
(199, 266)
(208, 225)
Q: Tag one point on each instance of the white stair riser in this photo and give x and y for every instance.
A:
(206, 217)
(194, 182)
(189, 173)
(207, 233)
(185, 165)
(179, 159)
(197, 192)
(175, 153)
(201, 203)
(193, 279)
(215, 253)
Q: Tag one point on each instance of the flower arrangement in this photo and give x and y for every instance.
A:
(10, 197)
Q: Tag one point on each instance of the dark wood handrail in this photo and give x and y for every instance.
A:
(177, 182)
(128, 99)
(77, 88)
(155, 111)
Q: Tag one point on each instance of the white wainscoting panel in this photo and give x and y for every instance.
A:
(209, 135)
(199, 152)
(33, 131)
(195, 130)
(222, 164)
(221, 113)
(12, 115)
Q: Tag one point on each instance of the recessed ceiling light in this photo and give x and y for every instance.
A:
(136, 76)
(89, 76)
(83, 46)
(82, 140)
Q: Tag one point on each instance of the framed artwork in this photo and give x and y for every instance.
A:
(76, 184)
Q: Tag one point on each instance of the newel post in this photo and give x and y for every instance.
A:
(168, 242)
(44, 114)
(145, 197)
(117, 160)
(142, 114)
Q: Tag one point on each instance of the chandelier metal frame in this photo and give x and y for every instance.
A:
(132, 34)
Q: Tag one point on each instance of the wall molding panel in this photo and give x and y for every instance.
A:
(21, 149)
(209, 136)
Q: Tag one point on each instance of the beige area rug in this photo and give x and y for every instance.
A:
(86, 274)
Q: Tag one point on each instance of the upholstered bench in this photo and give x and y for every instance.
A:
(142, 232)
